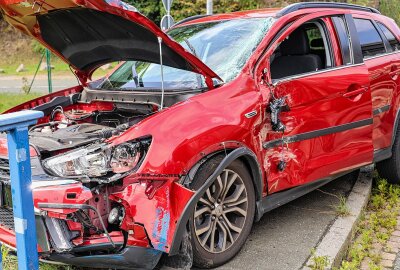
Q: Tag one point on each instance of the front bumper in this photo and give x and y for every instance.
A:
(131, 257)
(128, 258)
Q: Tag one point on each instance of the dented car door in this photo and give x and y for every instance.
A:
(320, 117)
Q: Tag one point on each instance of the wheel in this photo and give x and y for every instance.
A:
(389, 169)
(223, 217)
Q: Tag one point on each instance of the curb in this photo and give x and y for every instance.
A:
(336, 240)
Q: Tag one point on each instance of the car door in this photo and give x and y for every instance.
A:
(327, 113)
(380, 51)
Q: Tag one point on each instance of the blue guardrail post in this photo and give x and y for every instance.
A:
(16, 125)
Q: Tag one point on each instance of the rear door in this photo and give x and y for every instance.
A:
(380, 52)
(328, 117)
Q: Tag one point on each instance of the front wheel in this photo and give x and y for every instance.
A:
(224, 215)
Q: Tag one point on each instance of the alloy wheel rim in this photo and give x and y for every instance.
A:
(220, 214)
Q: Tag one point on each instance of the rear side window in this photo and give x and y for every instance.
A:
(370, 40)
(394, 43)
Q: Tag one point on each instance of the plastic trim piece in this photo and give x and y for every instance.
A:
(300, 6)
(275, 200)
(317, 133)
(381, 110)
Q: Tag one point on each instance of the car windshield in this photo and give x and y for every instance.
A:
(224, 46)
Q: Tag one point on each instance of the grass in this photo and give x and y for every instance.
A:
(342, 209)
(60, 68)
(10, 100)
(9, 67)
(318, 262)
(10, 262)
(375, 227)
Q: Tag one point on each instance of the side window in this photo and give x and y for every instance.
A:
(344, 39)
(370, 40)
(307, 49)
(394, 43)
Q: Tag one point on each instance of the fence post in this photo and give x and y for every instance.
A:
(49, 79)
(16, 125)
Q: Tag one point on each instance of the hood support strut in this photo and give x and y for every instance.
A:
(162, 74)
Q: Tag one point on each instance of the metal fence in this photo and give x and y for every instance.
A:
(16, 126)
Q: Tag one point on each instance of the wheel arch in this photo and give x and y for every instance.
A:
(243, 154)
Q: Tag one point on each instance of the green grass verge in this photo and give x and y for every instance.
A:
(10, 100)
(10, 262)
(375, 227)
(60, 68)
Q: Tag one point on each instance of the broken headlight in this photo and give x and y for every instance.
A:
(97, 160)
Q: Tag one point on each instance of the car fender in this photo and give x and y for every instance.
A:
(239, 153)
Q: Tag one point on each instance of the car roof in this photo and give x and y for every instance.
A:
(303, 7)
(247, 14)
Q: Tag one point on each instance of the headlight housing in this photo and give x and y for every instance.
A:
(97, 160)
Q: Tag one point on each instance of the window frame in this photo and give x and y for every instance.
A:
(379, 24)
(385, 43)
(326, 33)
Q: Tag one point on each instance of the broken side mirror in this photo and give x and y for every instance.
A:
(276, 106)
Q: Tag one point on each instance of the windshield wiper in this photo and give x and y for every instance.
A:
(199, 78)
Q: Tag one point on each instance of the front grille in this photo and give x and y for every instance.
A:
(7, 218)
(6, 212)
(4, 170)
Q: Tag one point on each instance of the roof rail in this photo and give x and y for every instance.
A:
(192, 18)
(299, 6)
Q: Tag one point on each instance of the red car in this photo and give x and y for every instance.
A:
(201, 130)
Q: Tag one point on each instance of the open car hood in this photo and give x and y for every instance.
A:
(90, 33)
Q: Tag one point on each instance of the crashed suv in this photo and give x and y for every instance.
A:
(201, 130)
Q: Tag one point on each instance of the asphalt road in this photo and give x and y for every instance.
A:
(14, 84)
(283, 239)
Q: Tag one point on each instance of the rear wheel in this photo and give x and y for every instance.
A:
(389, 169)
(223, 217)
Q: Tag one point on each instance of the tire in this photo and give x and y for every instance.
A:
(236, 206)
(389, 169)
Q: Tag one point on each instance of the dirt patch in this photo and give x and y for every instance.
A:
(14, 45)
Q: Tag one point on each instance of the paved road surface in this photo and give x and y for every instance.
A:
(14, 84)
(283, 239)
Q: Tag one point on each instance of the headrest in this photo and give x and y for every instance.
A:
(317, 43)
(296, 44)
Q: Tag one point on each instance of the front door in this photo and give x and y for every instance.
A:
(324, 128)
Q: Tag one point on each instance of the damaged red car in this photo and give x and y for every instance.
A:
(200, 130)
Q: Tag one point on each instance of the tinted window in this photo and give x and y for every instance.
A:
(370, 40)
(390, 37)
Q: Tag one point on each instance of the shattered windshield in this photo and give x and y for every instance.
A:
(224, 46)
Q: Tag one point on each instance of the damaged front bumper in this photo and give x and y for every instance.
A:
(146, 231)
(127, 258)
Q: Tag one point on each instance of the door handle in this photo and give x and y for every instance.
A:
(355, 92)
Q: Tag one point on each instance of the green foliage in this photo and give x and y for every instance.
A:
(10, 100)
(318, 262)
(375, 227)
(182, 8)
(37, 47)
(342, 209)
(391, 9)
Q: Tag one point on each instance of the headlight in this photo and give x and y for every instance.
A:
(96, 160)
(125, 157)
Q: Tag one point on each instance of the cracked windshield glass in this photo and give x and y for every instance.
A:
(224, 46)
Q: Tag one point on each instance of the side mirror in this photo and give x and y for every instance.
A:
(276, 106)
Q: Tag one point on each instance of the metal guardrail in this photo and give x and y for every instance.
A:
(16, 126)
